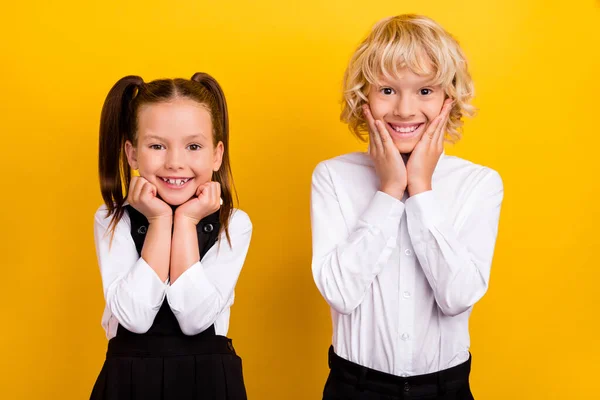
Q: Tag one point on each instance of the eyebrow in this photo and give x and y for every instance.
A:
(422, 81)
(162, 139)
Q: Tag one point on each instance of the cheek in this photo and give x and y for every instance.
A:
(148, 162)
(378, 107)
(203, 168)
(432, 109)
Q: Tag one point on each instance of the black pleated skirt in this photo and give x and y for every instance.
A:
(170, 368)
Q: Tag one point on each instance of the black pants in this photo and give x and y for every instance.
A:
(350, 381)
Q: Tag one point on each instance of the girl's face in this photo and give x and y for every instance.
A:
(175, 150)
(406, 105)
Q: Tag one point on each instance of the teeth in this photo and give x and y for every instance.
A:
(405, 130)
(178, 182)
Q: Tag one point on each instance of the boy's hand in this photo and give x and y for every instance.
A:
(388, 161)
(426, 154)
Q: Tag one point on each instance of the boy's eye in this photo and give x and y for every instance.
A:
(194, 147)
(426, 91)
(156, 146)
(387, 91)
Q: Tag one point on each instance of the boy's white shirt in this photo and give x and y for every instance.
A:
(201, 296)
(401, 277)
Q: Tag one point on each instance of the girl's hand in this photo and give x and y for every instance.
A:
(142, 197)
(425, 156)
(388, 161)
(206, 201)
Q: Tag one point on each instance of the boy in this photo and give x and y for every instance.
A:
(403, 236)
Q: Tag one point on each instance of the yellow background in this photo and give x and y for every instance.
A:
(535, 64)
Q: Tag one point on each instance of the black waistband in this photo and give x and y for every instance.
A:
(164, 346)
(369, 379)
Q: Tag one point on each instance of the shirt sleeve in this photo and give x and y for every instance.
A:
(132, 290)
(345, 259)
(206, 289)
(456, 256)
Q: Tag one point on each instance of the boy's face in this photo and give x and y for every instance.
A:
(406, 105)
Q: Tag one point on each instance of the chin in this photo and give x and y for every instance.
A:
(175, 199)
(405, 148)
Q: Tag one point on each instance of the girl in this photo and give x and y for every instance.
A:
(403, 236)
(170, 253)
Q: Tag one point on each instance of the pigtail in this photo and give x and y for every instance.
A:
(116, 127)
(213, 87)
(223, 175)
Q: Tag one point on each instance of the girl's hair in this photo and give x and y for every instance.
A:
(412, 41)
(118, 123)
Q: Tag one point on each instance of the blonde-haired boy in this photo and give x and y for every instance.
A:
(403, 235)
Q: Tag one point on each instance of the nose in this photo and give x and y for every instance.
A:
(174, 159)
(405, 107)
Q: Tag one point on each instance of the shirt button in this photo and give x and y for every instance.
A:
(208, 228)
(405, 336)
(408, 252)
(406, 295)
(406, 387)
(142, 230)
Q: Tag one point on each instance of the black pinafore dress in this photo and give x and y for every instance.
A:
(164, 363)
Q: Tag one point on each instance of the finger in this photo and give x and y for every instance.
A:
(386, 139)
(438, 134)
(377, 144)
(217, 195)
(201, 188)
(142, 187)
(431, 129)
(153, 189)
(204, 191)
(374, 138)
(138, 189)
(132, 184)
(211, 194)
(146, 192)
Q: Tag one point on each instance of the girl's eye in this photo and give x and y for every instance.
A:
(426, 92)
(156, 146)
(194, 147)
(387, 91)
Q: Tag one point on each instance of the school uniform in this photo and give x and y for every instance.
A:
(401, 276)
(169, 341)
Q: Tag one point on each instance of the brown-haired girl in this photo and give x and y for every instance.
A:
(170, 244)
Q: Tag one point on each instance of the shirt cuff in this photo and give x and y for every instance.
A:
(384, 212)
(425, 208)
(191, 286)
(145, 277)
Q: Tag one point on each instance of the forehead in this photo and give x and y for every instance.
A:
(399, 61)
(177, 118)
(405, 76)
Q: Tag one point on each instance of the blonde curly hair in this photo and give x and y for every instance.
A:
(422, 45)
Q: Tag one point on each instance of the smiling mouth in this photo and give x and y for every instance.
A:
(176, 182)
(405, 129)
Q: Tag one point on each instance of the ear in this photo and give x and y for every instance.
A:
(218, 156)
(131, 153)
